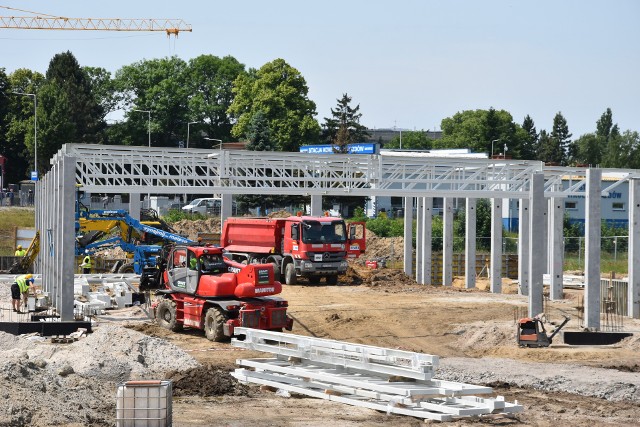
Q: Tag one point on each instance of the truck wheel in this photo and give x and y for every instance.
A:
(290, 274)
(332, 280)
(166, 315)
(126, 269)
(314, 280)
(214, 322)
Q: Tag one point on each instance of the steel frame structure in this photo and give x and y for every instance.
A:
(158, 170)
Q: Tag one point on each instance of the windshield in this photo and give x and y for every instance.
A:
(212, 264)
(323, 232)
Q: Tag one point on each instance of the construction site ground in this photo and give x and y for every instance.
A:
(472, 330)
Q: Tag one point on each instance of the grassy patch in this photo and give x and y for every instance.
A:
(11, 219)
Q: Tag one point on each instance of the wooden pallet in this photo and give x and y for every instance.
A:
(63, 339)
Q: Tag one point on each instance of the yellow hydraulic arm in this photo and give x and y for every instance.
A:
(42, 21)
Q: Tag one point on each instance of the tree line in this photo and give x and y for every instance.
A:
(208, 99)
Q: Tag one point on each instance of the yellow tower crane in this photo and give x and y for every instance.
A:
(43, 21)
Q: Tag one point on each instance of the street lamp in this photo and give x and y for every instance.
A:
(189, 124)
(213, 139)
(495, 140)
(149, 126)
(35, 129)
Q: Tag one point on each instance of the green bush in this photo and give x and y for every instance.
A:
(175, 215)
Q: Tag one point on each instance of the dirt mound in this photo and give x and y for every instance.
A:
(389, 248)
(280, 214)
(206, 381)
(482, 336)
(631, 343)
(191, 228)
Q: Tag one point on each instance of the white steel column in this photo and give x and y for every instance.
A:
(419, 238)
(470, 244)
(226, 210)
(556, 247)
(408, 236)
(316, 205)
(523, 247)
(634, 250)
(592, 250)
(537, 224)
(427, 206)
(66, 238)
(134, 205)
(496, 245)
(447, 241)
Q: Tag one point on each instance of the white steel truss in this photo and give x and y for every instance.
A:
(127, 169)
(360, 375)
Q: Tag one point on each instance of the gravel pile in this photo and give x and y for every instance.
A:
(606, 384)
(45, 384)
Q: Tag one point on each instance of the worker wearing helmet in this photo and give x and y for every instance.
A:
(86, 263)
(20, 287)
(19, 251)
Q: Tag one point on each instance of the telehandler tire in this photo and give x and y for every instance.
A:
(290, 274)
(166, 315)
(126, 269)
(214, 322)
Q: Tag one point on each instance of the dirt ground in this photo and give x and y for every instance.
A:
(386, 308)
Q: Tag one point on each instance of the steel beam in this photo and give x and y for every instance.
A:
(634, 250)
(408, 236)
(556, 247)
(470, 244)
(523, 247)
(496, 245)
(592, 250)
(419, 238)
(447, 241)
(537, 223)
(427, 206)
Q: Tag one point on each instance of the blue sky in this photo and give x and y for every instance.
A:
(407, 63)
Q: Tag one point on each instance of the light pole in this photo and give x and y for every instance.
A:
(495, 140)
(189, 124)
(213, 139)
(149, 123)
(35, 129)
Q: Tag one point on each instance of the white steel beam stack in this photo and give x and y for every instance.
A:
(394, 381)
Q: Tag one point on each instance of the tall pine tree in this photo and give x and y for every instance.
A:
(343, 127)
(529, 148)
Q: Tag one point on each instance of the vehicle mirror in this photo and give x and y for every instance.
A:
(294, 232)
(353, 232)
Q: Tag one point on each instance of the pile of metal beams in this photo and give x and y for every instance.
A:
(383, 379)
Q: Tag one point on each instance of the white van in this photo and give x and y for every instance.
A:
(209, 206)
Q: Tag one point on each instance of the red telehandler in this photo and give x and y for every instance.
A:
(201, 289)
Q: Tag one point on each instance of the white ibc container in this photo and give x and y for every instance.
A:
(144, 403)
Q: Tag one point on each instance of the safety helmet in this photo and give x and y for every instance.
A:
(28, 276)
(86, 252)
(19, 246)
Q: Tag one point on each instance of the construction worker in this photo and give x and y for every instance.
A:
(19, 251)
(20, 287)
(86, 263)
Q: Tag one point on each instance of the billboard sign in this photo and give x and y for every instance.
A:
(360, 148)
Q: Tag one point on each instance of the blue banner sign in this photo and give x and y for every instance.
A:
(360, 148)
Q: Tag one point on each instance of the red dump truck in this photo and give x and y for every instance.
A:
(297, 246)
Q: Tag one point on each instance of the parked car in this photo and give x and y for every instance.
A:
(206, 206)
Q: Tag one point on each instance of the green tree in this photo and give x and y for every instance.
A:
(20, 120)
(588, 150)
(281, 93)
(65, 74)
(412, 140)
(258, 134)
(55, 123)
(211, 82)
(529, 147)
(159, 86)
(343, 127)
(479, 130)
(560, 139)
